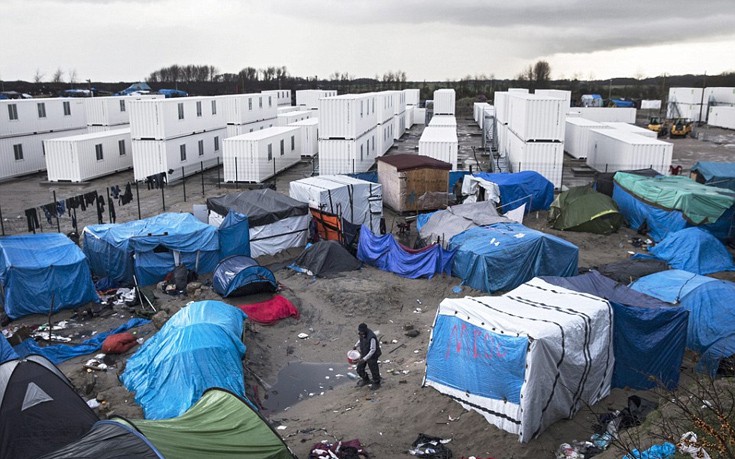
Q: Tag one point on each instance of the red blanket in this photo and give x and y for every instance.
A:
(270, 311)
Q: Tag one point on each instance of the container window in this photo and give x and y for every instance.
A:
(282, 149)
(12, 111)
(182, 151)
(250, 104)
(293, 143)
(260, 102)
(361, 155)
(201, 147)
(216, 143)
(199, 109)
(270, 103)
(214, 107)
(181, 111)
(122, 105)
(67, 109)
(361, 109)
(368, 147)
(121, 147)
(98, 152)
(373, 144)
(41, 110)
(270, 151)
(18, 151)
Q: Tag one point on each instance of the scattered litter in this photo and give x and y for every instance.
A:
(457, 288)
(418, 301)
(417, 311)
(303, 335)
(352, 375)
(519, 235)
(416, 351)
(331, 369)
(394, 341)
(386, 361)
(326, 377)
(93, 403)
(428, 446)
(311, 394)
(281, 427)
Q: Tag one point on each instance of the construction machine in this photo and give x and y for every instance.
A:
(658, 125)
(680, 127)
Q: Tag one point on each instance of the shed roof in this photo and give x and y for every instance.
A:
(405, 162)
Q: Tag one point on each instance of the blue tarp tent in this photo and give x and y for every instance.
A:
(156, 242)
(198, 348)
(385, 253)
(505, 255)
(711, 329)
(649, 336)
(234, 235)
(6, 350)
(240, 275)
(518, 188)
(694, 250)
(721, 175)
(34, 267)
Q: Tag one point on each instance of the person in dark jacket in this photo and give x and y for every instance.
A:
(369, 348)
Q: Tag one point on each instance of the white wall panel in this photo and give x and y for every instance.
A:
(348, 116)
(440, 143)
(258, 156)
(36, 116)
(614, 150)
(25, 154)
(155, 156)
(163, 119)
(75, 158)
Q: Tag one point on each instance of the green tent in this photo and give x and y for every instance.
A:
(220, 425)
(584, 209)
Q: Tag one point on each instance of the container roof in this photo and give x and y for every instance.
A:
(405, 162)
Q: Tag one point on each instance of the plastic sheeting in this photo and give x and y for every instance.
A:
(35, 268)
(721, 175)
(200, 347)
(523, 360)
(6, 350)
(240, 275)
(505, 255)
(442, 225)
(385, 253)
(694, 250)
(234, 235)
(711, 311)
(526, 187)
(108, 440)
(649, 335)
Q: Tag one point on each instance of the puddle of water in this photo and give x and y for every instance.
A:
(301, 380)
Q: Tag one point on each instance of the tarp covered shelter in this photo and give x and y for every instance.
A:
(199, 347)
(277, 222)
(325, 258)
(386, 254)
(523, 360)
(518, 188)
(6, 350)
(239, 275)
(150, 248)
(666, 204)
(694, 250)
(40, 410)
(38, 269)
(711, 311)
(234, 235)
(721, 175)
(649, 336)
(443, 225)
(631, 269)
(505, 255)
(108, 440)
(220, 425)
(584, 209)
(604, 180)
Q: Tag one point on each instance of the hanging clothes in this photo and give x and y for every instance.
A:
(100, 209)
(127, 196)
(32, 219)
(60, 208)
(115, 191)
(90, 197)
(113, 217)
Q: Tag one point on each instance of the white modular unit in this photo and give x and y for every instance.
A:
(440, 143)
(347, 156)
(694, 112)
(566, 96)
(722, 117)
(443, 121)
(686, 95)
(633, 128)
(607, 114)
(82, 157)
(399, 102)
(477, 109)
(399, 125)
(348, 116)
(719, 96)
(113, 110)
(163, 119)
(502, 132)
(408, 116)
(249, 108)
(258, 156)
(614, 150)
(284, 119)
(577, 136)
(488, 112)
(94, 129)
(281, 96)
(383, 106)
(25, 154)
(36, 116)
(152, 157)
(534, 117)
(309, 98)
(444, 102)
(419, 115)
(546, 158)
(518, 90)
(385, 137)
(413, 96)
(239, 129)
(309, 136)
(500, 101)
(287, 108)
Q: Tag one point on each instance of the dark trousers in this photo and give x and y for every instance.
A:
(372, 364)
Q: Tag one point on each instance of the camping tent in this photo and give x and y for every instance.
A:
(277, 222)
(516, 189)
(385, 253)
(523, 360)
(108, 440)
(150, 248)
(325, 258)
(199, 347)
(220, 425)
(504, 255)
(721, 175)
(666, 204)
(442, 225)
(584, 209)
(40, 410)
(710, 306)
(38, 271)
(240, 275)
(694, 250)
(649, 336)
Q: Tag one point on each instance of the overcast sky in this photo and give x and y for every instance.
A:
(109, 40)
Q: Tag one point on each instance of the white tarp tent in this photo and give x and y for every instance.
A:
(523, 360)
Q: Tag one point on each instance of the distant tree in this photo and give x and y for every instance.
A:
(73, 76)
(249, 74)
(58, 76)
(38, 76)
(541, 73)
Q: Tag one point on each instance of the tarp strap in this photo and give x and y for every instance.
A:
(278, 235)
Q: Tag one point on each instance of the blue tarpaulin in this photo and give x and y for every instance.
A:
(502, 256)
(35, 268)
(198, 348)
(649, 336)
(385, 253)
(518, 188)
(234, 235)
(153, 241)
(711, 311)
(721, 175)
(6, 350)
(240, 275)
(694, 250)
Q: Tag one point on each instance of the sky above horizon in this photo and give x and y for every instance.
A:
(112, 40)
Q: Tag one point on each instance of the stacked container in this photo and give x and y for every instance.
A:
(408, 116)
(239, 129)
(440, 143)
(546, 158)
(309, 98)
(346, 156)
(577, 136)
(443, 121)
(384, 134)
(348, 131)
(309, 136)
(615, 150)
(383, 106)
(281, 96)
(82, 157)
(242, 109)
(284, 119)
(163, 119)
(444, 102)
(566, 96)
(347, 116)
(111, 111)
(413, 96)
(258, 156)
(25, 154)
(419, 115)
(633, 129)
(723, 116)
(399, 112)
(686, 103)
(606, 114)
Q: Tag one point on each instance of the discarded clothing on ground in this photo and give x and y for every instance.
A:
(428, 447)
(270, 311)
(351, 449)
(118, 343)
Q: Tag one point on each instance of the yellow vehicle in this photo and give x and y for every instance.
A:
(680, 127)
(657, 124)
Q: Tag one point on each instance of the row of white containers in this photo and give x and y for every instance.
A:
(605, 114)
(86, 156)
(722, 116)
(614, 150)
(346, 156)
(577, 138)
(309, 98)
(713, 95)
(257, 156)
(281, 96)
(112, 110)
(25, 154)
(284, 119)
(35, 116)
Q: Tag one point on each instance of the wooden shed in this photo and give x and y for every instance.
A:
(413, 183)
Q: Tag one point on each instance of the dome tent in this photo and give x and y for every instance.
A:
(324, 258)
(584, 209)
(239, 275)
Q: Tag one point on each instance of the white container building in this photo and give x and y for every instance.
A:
(719, 96)
(419, 115)
(152, 157)
(399, 125)
(249, 108)
(443, 121)
(722, 116)
(163, 119)
(281, 96)
(440, 143)
(500, 101)
(309, 98)
(309, 136)
(686, 95)
(258, 156)
(566, 96)
(284, 119)
(477, 109)
(694, 112)
(518, 90)
(383, 106)
(615, 150)
(113, 110)
(408, 116)
(348, 156)
(632, 128)
(385, 137)
(82, 157)
(502, 132)
(35, 116)
(444, 102)
(233, 130)
(534, 117)
(607, 114)
(287, 108)
(577, 136)
(25, 154)
(399, 102)
(413, 96)
(546, 158)
(348, 116)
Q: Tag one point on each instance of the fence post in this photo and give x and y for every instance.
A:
(201, 164)
(2, 225)
(163, 197)
(183, 181)
(137, 195)
(236, 184)
(109, 209)
(56, 211)
(218, 177)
